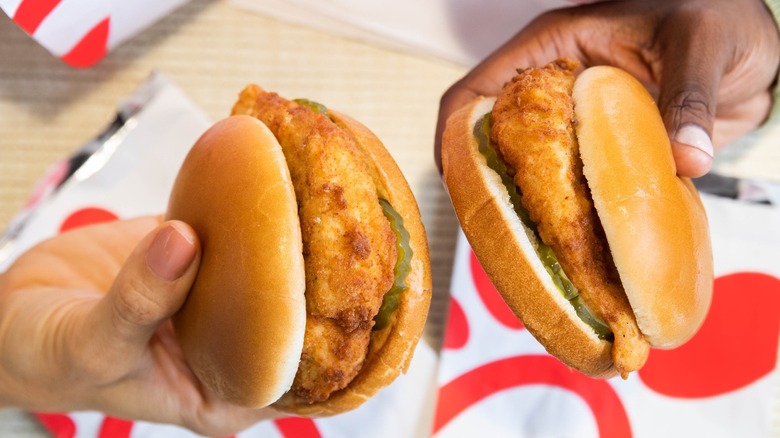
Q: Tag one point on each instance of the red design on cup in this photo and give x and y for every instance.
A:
(81, 34)
(31, 13)
(87, 216)
(736, 346)
(92, 47)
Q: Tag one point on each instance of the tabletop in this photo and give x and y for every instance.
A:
(211, 49)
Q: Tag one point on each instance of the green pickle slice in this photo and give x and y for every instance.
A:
(544, 252)
(316, 106)
(403, 266)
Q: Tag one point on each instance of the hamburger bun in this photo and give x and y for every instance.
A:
(653, 221)
(245, 327)
(242, 325)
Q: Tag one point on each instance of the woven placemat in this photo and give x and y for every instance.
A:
(211, 50)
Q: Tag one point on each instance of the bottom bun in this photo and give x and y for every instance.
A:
(505, 249)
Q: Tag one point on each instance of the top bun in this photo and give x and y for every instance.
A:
(654, 221)
(242, 326)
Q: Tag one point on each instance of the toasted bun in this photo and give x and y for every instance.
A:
(242, 326)
(503, 246)
(654, 221)
(392, 348)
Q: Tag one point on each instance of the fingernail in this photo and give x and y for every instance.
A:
(170, 254)
(696, 137)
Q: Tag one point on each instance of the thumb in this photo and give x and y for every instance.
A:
(693, 65)
(152, 284)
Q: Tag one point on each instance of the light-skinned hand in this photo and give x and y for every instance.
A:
(84, 325)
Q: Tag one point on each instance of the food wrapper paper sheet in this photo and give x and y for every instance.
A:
(81, 32)
(128, 171)
(496, 380)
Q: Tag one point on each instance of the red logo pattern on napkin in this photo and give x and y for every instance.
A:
(745, 318)
(736, 346)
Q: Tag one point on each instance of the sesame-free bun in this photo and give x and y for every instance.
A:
(242, 328)
(501, 243)
(654, 222)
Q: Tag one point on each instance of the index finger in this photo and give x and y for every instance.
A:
(536, 44)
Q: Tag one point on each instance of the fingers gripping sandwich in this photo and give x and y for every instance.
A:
(565, 187)
(314, 284)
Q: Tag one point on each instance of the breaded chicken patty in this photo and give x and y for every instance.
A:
(348, 243)
(534, 128)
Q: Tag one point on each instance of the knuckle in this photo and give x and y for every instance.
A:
(692, 98)
(554, 16)
(134, 305)
(452, 93)
(701, 16)
(460, 94)
(689, 103)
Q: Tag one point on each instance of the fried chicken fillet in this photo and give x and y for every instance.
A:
(349, 247)
(534, 128)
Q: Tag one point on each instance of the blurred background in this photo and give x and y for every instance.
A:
(211, 49)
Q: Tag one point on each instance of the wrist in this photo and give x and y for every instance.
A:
(32, 371)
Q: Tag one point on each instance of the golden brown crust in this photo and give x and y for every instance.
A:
(654, 221)
(262, 309)
(505, 251)
(349, 246)
(533, 127)
(385, 363)
(207, 197)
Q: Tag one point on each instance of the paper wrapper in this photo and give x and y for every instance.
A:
(129, 171)
(81, 32)
(497, 380)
